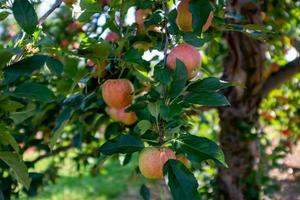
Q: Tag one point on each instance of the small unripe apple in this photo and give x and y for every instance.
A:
(187, 54)
(152, 160)
(112, 37)
(117, 93)
(127, 118)
(142, 45)
(184, 19)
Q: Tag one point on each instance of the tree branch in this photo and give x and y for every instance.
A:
(46, 15)
(54, 152)
(121, 18)
(166, 12)
(40, 22)
(278, 78)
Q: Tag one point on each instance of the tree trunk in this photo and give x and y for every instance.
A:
(238, 136)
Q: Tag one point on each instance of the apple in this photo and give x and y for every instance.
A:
(184, 17)
(104, 2)
(64, 43)
(127, 118)
(183, 159)
(187, 54)
(152, 160)
(140, 16)
(117, 93)
(142, 45)
(112, 37)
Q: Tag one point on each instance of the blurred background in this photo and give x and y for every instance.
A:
(75, 172)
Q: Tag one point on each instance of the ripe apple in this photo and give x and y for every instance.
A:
(64, 43)
(152, 160)
(186, 54)
(184, 17)
(112, 37)
(127, 118)
(73, 27)
(104, 2)
(117, 93)
(286, 132)
(183, 159)
(140, 16)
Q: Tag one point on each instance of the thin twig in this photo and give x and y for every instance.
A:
(166, 13)
(55, 152)
(160, 124)
(121, 18)
(51, 10)
(40, 22)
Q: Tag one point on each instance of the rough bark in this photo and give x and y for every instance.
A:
(244, 64)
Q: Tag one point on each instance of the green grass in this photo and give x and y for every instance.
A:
(113, 181)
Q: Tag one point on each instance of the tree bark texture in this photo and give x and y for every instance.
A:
(244, 64)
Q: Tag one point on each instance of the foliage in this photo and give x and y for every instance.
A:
(50, 93)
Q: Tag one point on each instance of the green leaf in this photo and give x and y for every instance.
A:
(135, 56)
(207, 99)
(199, 149)
(163, 74)
(18, 166)
(6, 55)
(55, 66)
(10, 106)
(4, 15)
(179, 79)
(200, 11)
(173, 28)
(167, 112)
(143, 126)
(154, 109)
(24, 67)
(145, 192)
(34, 91)
(114, 128)
(182, 183)
(60, 122)
(25, 15)
(95, 51)
(6, 138)
(210, 84)
(193, 39)
(122, 144)
(21, 116)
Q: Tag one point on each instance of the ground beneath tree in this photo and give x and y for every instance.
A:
(289, 177)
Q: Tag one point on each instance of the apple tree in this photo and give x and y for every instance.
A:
(115, 78)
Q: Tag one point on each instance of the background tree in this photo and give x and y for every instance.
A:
(77, 79)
